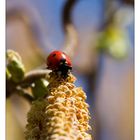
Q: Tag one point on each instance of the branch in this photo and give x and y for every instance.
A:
(71, 41)
(66, 15)
(29, 78)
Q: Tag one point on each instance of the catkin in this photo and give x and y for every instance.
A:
(62, 115)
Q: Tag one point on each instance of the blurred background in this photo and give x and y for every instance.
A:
(99, 37)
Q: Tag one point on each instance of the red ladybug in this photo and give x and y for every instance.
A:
(59, 61)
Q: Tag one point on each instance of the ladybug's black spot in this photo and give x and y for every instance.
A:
(54, 55)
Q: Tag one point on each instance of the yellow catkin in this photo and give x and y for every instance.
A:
(62, 115)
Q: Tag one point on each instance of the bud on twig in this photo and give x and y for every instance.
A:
(15, 68)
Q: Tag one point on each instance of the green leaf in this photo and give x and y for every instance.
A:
(39, 88)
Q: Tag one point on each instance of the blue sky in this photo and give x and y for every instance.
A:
(85, 17)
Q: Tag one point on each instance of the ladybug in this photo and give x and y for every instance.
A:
(59, 62)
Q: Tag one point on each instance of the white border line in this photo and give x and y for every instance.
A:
(137, 69)
(2, 69)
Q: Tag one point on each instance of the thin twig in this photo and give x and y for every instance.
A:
(25, 95)
(34, 75)
(129, 2)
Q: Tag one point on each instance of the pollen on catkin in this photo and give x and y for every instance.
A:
(62, 115)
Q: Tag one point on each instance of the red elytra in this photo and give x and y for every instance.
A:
(55, 59)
